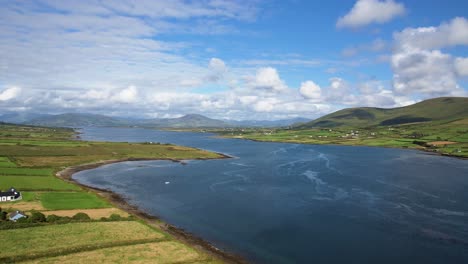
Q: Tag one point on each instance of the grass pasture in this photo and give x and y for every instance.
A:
(156, 252)
(6, 163)
(29, 157)
(26, 171)
(55, 240)
(71, 200)
(35, 183)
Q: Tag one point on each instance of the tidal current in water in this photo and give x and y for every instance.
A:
(293, 203)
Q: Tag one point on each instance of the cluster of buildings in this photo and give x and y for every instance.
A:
(12, 195)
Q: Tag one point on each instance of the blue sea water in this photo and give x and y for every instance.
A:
(292, 203)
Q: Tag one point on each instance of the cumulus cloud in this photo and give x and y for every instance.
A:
(217, 65)
(9, 93)
(365, 12)
(217, 69)
(448, 34)
(372, 93)
(127, 95)
(461, 66)
(421, 68)
(424, 72)
(266, 105)
(267, 79)
(310, 90)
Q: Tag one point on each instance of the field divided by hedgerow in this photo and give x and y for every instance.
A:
(156, 252)
(29, 158)
(54, 240)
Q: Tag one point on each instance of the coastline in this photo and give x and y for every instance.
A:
(425, 150)
(119, 202)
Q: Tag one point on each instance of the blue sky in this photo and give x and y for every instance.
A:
(260, 59)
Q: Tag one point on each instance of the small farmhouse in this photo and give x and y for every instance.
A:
(15, 216)
(11, 195)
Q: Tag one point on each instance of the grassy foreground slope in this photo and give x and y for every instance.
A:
(29, 159)
(439, 125)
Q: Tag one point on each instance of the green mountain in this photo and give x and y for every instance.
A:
(77, 120)
(443, 109)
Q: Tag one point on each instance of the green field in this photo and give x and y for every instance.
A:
(71, 200)
(156, 252)
(6, 163)
(55, 240)
(29, 197)
(26, 171)
(29, 158)
(35, 183)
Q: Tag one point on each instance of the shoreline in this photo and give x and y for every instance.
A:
(118, 201)
(425, 150)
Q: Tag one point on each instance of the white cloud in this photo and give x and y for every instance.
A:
(9, 93)
(366, 12)
(127, 95)
(423, 71)
(266, 105)
(421, 68)
(217, 65)
(448, 34)
(310, 90)
(461, 66)
(218, 69)
(267, 79)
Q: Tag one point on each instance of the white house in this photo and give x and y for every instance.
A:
(11, 195)
(15, 216)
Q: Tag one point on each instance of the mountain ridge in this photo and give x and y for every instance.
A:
(185, 121)
(436, 109)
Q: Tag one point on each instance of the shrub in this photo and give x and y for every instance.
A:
(37, 217)
(3, 215)
(115, 217)
(23, 220)
(81, 217)
(64, 219)
(53, 218)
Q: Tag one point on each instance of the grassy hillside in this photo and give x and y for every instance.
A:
(444, 109)
(439, 125)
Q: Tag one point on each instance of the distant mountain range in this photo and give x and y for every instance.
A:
(437, 109)
(443, 109)
(186, 121)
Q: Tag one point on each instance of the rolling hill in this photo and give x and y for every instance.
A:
(82, 120)
(443, 109)
(76, 120)
(186, 121)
